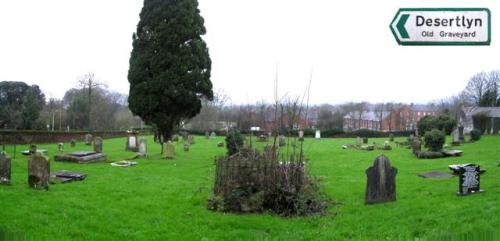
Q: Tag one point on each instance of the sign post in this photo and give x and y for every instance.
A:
(442, 26)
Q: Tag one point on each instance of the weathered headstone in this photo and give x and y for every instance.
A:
(60, 147)
(175, 138)
(387, 146)
(282, 140)
(207, 135)
(301, 135)
(39, 172)
(5, 168)
(191, 139)
(381, 182)
(262, 138)
(358, 141)
(143, 147)
(416, 146)
(98, 145)
(169, 150)
(469, 181)
(455, 136)
(318, 134)
(186, 146)
(73, 143)
(213, 135)
(132, 143)
(88, 139)
(391, 137)
(365, 140)
(185, 136)
(32, 149)
(461, 136)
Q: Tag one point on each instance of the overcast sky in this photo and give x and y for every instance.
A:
(347, 44)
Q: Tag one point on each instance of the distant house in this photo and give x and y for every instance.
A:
(401, 119)
(491, 112)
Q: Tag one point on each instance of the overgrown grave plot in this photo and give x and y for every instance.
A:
(268, 181)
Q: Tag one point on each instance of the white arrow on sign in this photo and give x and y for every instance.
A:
(442, 26)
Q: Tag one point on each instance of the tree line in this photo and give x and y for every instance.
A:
(25, 107)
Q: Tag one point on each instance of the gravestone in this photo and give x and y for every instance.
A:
(5, 168)
(381, 182)
(282, 140)
(81, 157)
(358, 141)
(435, 175)
(416, 146)
(455, 136)
(73, 143)
(262, 138)
(391, 137)
(186, 146)
(175, 138)
(66, 176)
(207, 135)
(185, 136)
(60, 147)
(318, 134)
(387, 146)
(169, 150)
(213, 135)
(98, 145)
(132, 143)
(38, 172)
(220, 144)
(461, 136)
(301, 135)
(469, 181)
(143, 147)
(88, 139)
(32, 149)
(365, 140)
(191, 139)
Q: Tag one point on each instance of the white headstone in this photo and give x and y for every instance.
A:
(318, 134)
(132, 142)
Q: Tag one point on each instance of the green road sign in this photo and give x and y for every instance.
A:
(442, 26)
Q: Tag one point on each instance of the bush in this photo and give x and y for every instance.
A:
(251, 182)
(434, 140)
(442, 122)
(475, 135)
(234, 141)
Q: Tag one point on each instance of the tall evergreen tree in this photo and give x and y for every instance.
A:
(169, 65)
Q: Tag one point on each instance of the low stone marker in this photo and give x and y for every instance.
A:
(38, 172)
(220, 144)
(435, 174)
(213, 135)
(88, 139)
(98, 145)
(169, 150)
(191, 140)
(82, 157)
(381, 182)
(73, 143)
(66, 176)
(123, 164)
(387, 146)
(469, 181)
(60, 147)
(5, 168)
(186, 146)
(143, 147)
(282, 140)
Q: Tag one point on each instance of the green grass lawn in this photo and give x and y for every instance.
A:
(166, 199)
